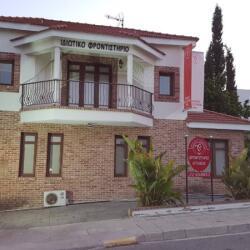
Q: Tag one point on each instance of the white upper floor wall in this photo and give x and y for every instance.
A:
(37, 62)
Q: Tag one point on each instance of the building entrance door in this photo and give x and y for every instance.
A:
(89, 85)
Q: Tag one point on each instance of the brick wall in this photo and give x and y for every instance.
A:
(88, 159)
(15, 58)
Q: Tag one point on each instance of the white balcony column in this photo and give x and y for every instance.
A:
(57, 63)
(130, 69)
(130, 79)
(57, 74)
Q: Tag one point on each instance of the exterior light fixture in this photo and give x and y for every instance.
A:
(90, 124)
(120, 63)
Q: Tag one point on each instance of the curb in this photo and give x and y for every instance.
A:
(192, 233)
(178, 235)
(120, 242)
(165, 236)
(191, 209)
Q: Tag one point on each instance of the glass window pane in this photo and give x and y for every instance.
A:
(75, 76)
(89, 77)
(165, 85)
(120, 141)
(220, 161)
(90, 68)
(144, 142)
(28, 158)
(74, 67)
(55, 152)
(30, 138)
(73, 92)
(104, 69)
(5, 73)
(220, 145)
(103, 94)
(5, 67)
(104, 78)
(89, 93)
(120, 164)
(55, 138)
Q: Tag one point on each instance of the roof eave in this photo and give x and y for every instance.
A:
(48, 32)
(218, 126)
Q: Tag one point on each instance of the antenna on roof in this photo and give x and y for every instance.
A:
(119, 18)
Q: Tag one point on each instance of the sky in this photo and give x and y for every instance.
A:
(182, 17)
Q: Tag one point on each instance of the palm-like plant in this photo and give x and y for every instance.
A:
(237, 176)
(153, 180)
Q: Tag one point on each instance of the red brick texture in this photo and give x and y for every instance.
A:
(175, 74)
(88, 159)
(15, 58)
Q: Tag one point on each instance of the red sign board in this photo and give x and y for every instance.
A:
(199, 156)
(187, 77)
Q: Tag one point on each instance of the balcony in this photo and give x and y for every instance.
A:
(76, 102)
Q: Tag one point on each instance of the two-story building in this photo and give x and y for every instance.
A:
(69, 91)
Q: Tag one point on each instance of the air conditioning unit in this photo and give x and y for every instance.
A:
(54, 198)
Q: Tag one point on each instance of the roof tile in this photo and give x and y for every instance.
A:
(215, 117)
(91, 28)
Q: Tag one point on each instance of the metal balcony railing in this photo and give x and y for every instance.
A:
(86, 94)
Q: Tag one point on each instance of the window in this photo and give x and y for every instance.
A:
(166, 83)
(145, 141)
(89, 84)
(28, 154)
(55, 150)
(220, 156)
(121, 154)
(6, 72)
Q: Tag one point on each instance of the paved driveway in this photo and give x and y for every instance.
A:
(65, 215)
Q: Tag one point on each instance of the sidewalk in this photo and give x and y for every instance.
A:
(53, 216)
(89, 235)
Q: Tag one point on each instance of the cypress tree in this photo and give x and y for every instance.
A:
(245, 111)
(234, 106)
(215, 80)
(230, 70)
(218, 48)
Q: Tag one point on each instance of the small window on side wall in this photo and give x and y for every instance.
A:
(145, 141)
(6, 72)
(121, 154)
(166, 84)
(220, 157)
(54, 157)
(28, 154)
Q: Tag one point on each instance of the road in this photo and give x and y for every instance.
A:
(223, 242)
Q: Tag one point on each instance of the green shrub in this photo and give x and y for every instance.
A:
(247, 145)
(237, 177)
(153, 181)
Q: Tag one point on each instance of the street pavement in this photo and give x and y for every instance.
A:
(222, 242)
(94, 234)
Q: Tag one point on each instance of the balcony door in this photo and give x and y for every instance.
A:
(89, 85)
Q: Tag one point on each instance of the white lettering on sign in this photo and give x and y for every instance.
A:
(94, 45)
